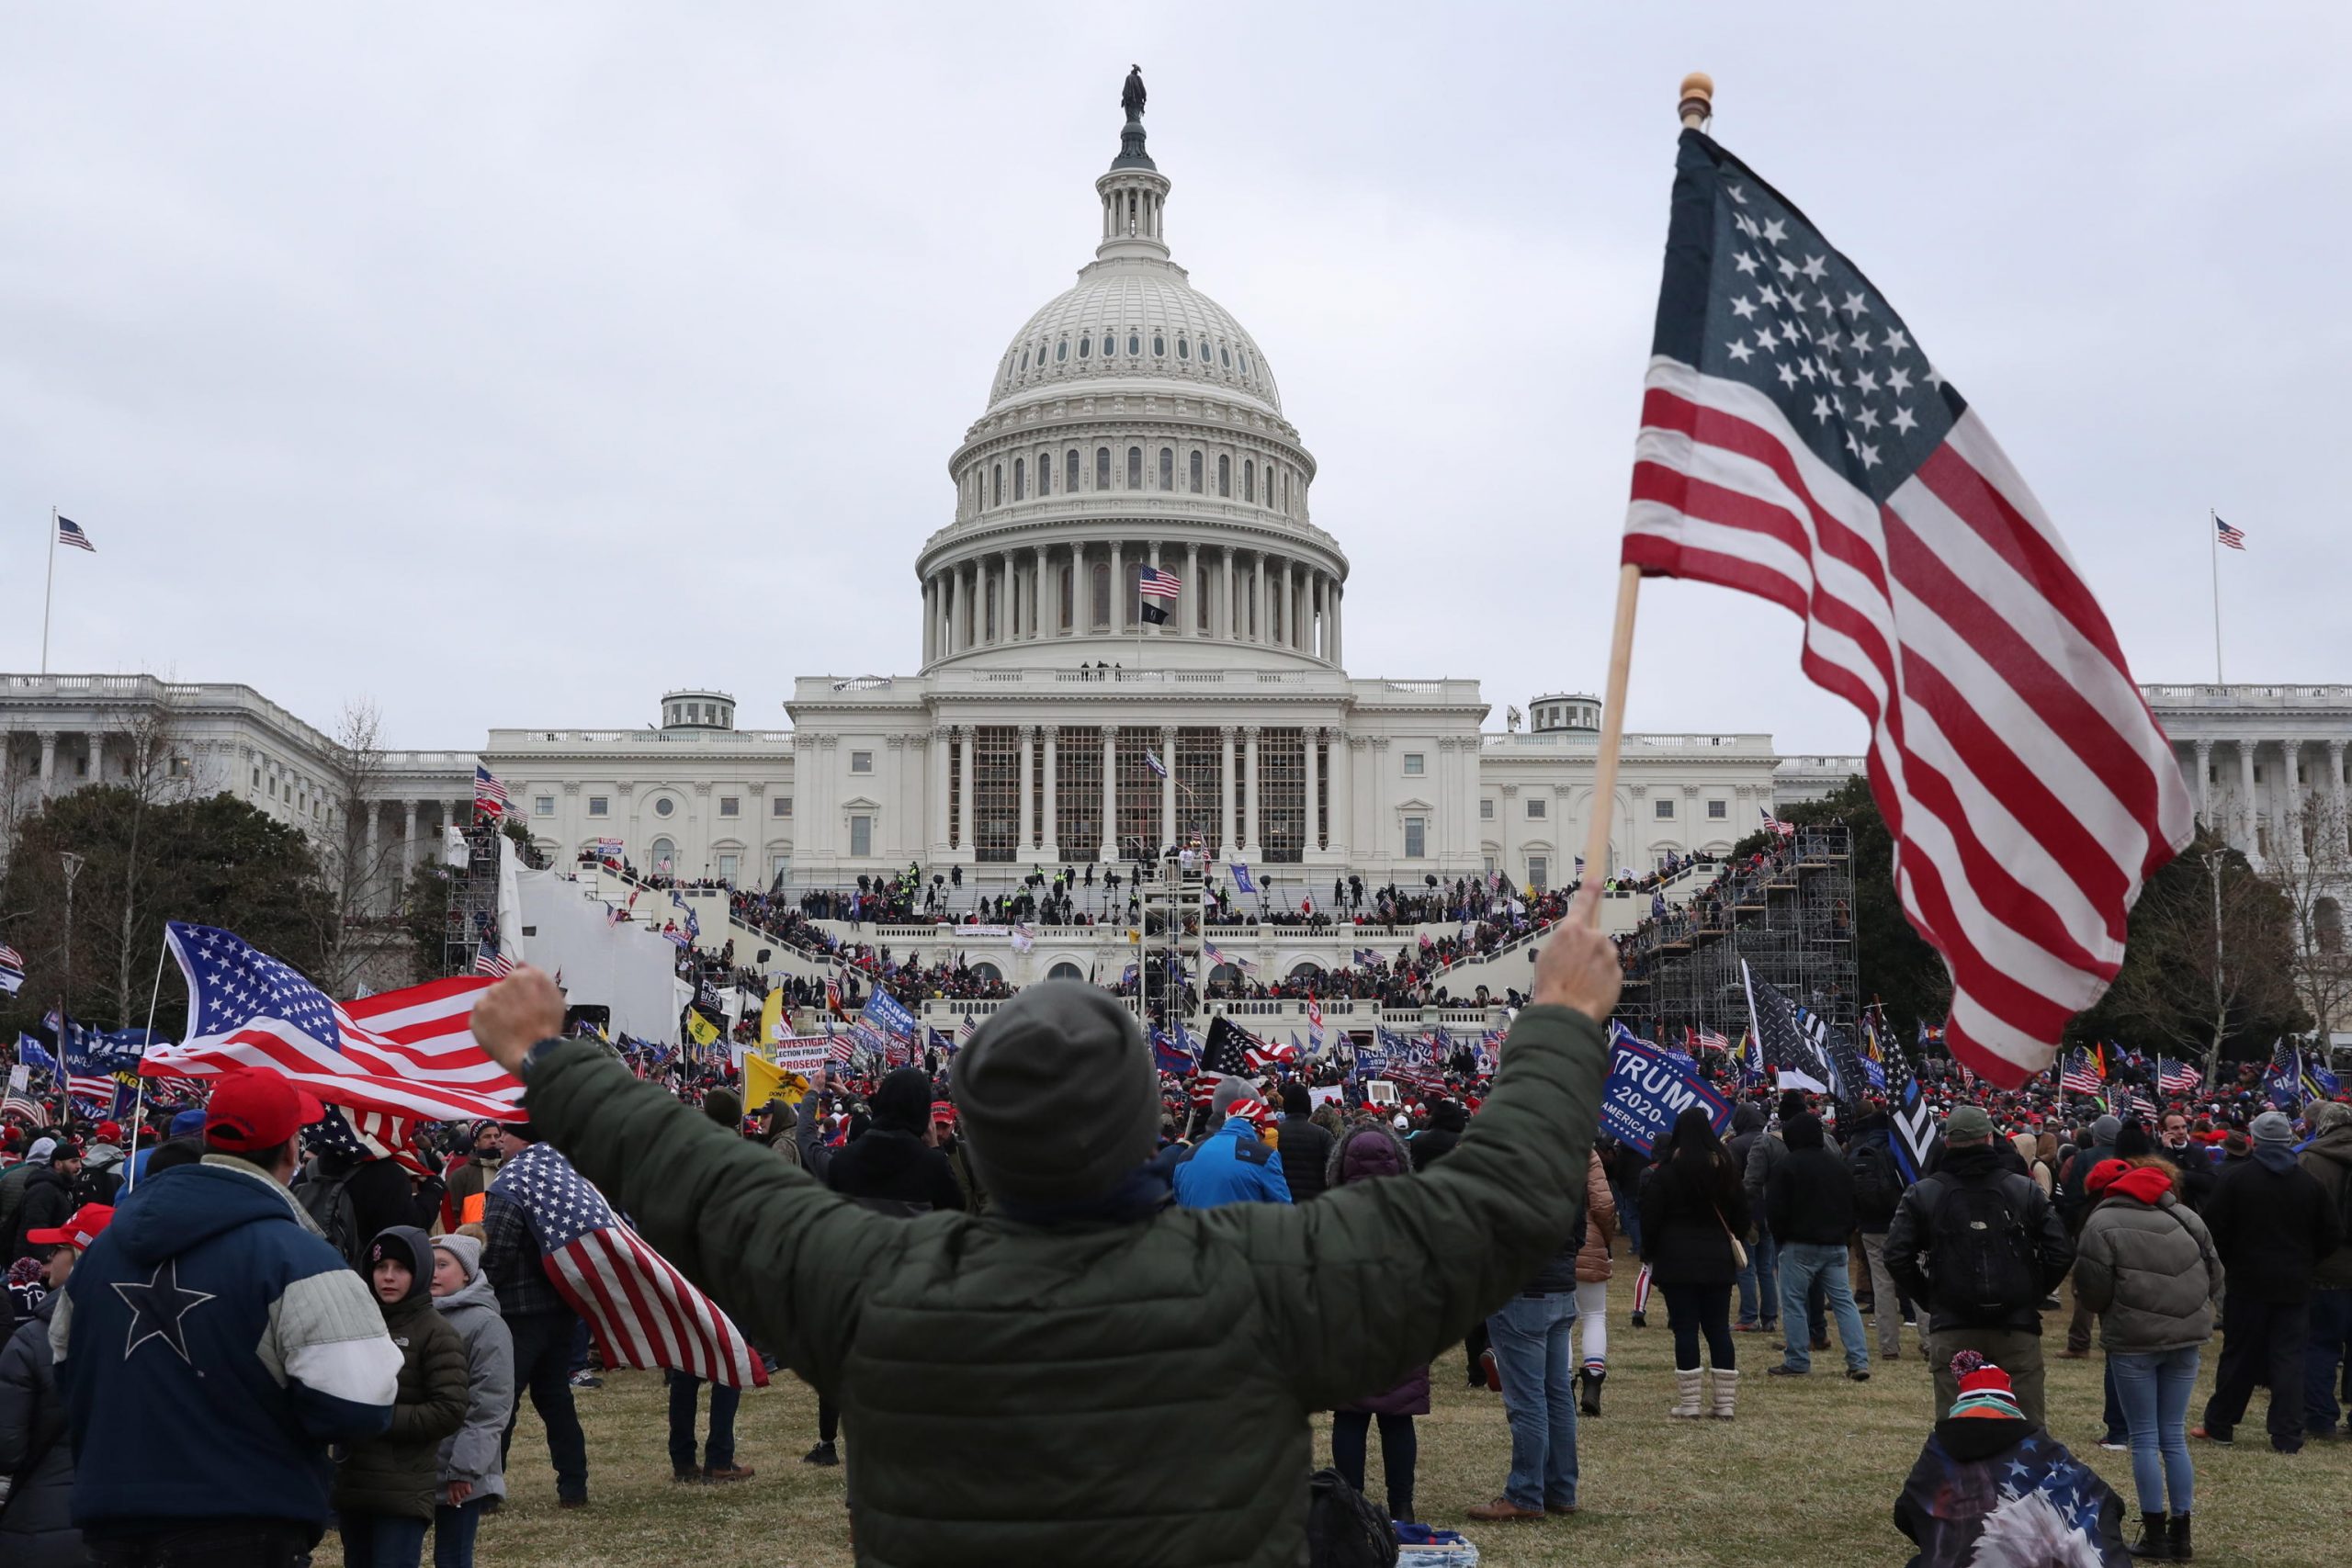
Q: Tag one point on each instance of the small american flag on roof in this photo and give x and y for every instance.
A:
(2231, 538)
(490, 796)
(70, 533)
(1157, 585)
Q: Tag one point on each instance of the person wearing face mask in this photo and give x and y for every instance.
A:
(384, 1488)
(473, 1470)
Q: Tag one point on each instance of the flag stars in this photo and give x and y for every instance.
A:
(1861, 341)
(1904, 422)
(1739, 351)
(1821, 410)
(1815, 267)
(1867, 418)
(1854, 308)
(1775, 232)
(1743, 306)
(1746, 263)
(1899, 379)
(1788, 376)
(1865, 382)
(1897, 340)
(1767, 296)
(1788, 268)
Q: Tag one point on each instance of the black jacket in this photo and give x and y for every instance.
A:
(1910, 1239)
(2073, 1196)
(1305, 1150)
(1447, 1120)
(2272, 1222)
(37, 1529)
(894, 1166)
(1684, 1217)
(1810, 1198)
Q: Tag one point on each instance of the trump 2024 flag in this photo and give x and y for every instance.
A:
(1797, 444)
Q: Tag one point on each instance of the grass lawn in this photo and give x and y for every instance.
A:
(1807, 1473)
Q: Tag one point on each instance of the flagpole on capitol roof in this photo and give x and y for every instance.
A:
(1695, 107)
(2213, 548)
(47, 590)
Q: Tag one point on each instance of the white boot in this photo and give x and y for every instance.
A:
(1686, 1394)
(1726, 1393)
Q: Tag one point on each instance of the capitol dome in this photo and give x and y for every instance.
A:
(1132, 489)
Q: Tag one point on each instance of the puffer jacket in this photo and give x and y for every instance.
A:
(2145, 1263)
(1096, 1344)
(36, 1526)
(1363, 1154)
(2329, 1159)
(1306, 1155)
(399, 1472)
(1593, 1264)
(471, 1453)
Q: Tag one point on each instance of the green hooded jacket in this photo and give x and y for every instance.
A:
(1094, 1391)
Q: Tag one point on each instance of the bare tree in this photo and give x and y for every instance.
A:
(360, 869)
(156, 770)
(2316, 877)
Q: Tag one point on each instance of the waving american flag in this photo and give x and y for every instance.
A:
(408, 1052)
(645, 1312)
(1798, 444)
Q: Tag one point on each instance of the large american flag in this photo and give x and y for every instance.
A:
(490, 796)
(2177, 1077)
(2076, 1075)
(1157, 585)
(645, 1312)
(1797, 444)
(407, 1053)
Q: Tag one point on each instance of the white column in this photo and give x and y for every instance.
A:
(1189, 619)
(1109, 849)
(47, 761)
(2336, 824)
(1289, 637)
(964, 796)
(2204, 789)
(1335, 594)
(1254, 830)
(2289, 796)
(1028, 829)
(1053, 798)
(936, 813)
(1314, 772)
(1342, 792)
(2246, 796)
(1226, 793)
(1119, 611)
(416, 839)
(1167, 791)
(1040, 605)
(366, 879)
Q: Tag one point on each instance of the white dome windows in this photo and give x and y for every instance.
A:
(1223, 357)
(1019, 479)
(1044, 474)
(1183, 348)
(1168, 467)
(1158, 346)
(1024, 362)
(1192, 471)
(1061, 351)
(1249, 479)
(1135, 467)
(1135, 346)
(1224, 476)
(996, 490)
(1102, 467)
(1085, 347)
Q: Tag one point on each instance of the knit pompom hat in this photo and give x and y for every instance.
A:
(1984, 1391)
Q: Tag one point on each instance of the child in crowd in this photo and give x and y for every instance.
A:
(473, 1473)
(384, 1488)
(1992, 1486)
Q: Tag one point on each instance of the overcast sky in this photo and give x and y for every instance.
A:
(508, 365)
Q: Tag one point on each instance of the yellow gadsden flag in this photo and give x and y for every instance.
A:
(700, 1030)
(771, 1018)
(763, 1081)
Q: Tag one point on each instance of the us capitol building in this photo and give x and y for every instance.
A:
(1133, 432)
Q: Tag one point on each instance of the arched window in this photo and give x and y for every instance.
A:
(1102, 467)
(1135, 347)
(1223, 357)
(1085, 347)
(1183, 349)
(665, 858)
(1285, 490)
(1069, 471)
(1069, 580)
(1193, 470)
(1100, 593)
(1245, 361)
(1044, 473)
(1024, 362)
(1135, 467)
(2327, 925)
(1019, 479)
(1061, 351)
(1158, 346)
(987, 972)
(1249, 479)
(1224, 475)
(1168, 467)
(1305, 969)
(1065, 970)
(997, 498)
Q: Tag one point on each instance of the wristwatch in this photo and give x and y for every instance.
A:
(531, 1057)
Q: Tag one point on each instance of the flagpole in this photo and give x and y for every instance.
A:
(48, 590)
(139, 1095)
(2213, 548)
(1696, 105)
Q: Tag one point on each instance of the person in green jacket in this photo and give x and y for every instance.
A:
(1084, 1375)
(384, 1488)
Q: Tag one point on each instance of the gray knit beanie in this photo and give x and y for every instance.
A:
(1230, 1092)
(463, 1248)
(2105, 1131)
(2272, 1127)
(1057, 1095)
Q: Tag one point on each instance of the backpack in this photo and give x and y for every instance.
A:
(327, 1200)
(1343, 1529)
(1878, 1186)
(1981, 1262)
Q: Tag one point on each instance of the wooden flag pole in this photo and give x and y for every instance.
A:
(1696, 105)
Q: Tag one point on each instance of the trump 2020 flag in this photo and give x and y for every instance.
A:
(1797, 444)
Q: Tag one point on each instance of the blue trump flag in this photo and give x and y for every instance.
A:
(1645, 1092)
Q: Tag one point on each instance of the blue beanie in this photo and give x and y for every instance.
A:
(187, 1122)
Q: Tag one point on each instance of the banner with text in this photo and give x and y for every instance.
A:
(1647, 1090)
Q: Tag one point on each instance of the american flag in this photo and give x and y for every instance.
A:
(20, 1100)
(2231, 538)
(2076, 1075)
(96, 1088)
(644, 1312)
(70, 533)
(1157, 585)
(489, 961)
(1264, 1054)
(369, 1135)
(490, 796)
(2177, 1077)
(970, 1027)
(1713, 1038)
(12, 970)
(1797, 444)
(406, 1052)
(839, 1048)
(1785, 829)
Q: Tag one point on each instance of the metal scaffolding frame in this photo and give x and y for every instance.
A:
(473, 902)
(1792, 924)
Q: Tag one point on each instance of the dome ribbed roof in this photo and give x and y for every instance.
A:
(1134, 321)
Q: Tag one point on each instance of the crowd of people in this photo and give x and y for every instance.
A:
(2197, 1215)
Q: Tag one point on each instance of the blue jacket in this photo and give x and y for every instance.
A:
(211, 1347)
(1234, 1166)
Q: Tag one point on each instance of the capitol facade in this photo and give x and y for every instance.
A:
(1133, 635)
